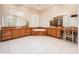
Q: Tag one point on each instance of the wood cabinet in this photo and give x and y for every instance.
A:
(15, 33)
(6, 34)
(18, 32)
(22, 32)
(49, 31)
(28, 31)
(58, 33)
(54, 32)
(41, 33)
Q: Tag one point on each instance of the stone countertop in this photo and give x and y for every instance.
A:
(20, 27)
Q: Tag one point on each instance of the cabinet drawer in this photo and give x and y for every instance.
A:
(6, 30)
(6, 37)
(43, 33)
(39, 33)
(6, 33)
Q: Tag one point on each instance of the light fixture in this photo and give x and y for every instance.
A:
(39, 8)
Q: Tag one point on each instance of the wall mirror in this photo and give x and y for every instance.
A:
(11, 21)
(22, 21)
(56, 21)
(14, 21)
(8, 21)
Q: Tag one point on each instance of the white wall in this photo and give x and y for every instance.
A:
(47, 15)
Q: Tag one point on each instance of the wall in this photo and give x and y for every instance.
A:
(0, 15)
(10, 10)
(0, 23)
(47, 15)
(78, 29)
(36, 18)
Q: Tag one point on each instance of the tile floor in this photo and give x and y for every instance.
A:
(37, 45)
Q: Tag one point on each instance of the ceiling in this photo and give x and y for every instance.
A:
(41, 7)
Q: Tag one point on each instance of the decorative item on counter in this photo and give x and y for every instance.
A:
(27, 24)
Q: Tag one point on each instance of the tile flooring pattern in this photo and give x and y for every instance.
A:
(37, 45)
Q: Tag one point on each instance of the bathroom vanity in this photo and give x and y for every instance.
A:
(9, 33)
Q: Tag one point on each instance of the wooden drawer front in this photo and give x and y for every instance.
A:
(39, 33)
(6, 30)
(42, 33)
(6, 37)
(6, 33)
(35, 33)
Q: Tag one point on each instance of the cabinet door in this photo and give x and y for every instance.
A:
(15, 33)
(28, 32)
(49, 31)
(53, 32)
(6, 34)
(22, 32)
(58, 33)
